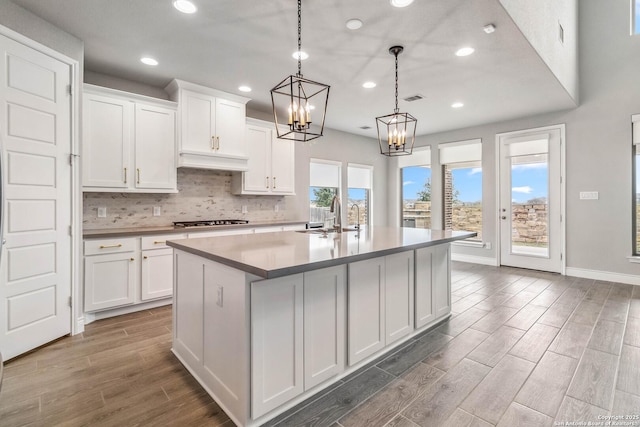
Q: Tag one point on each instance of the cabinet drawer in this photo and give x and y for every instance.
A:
(109, 246)
(159, 241)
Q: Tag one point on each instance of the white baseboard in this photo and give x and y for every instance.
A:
(606, 276)
(474, 259)
(79, 325)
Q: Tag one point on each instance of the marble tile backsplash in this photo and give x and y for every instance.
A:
(202, 194)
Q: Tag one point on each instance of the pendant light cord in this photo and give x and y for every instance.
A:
(299, 38)
(396, 110)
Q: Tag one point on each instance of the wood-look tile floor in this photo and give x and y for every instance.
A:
(523, 348)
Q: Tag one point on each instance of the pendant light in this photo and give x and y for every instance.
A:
(397, 131)
(299, 104)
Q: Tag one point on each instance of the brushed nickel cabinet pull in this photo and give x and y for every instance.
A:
(125, 175)
(138, 175)
(119, 245)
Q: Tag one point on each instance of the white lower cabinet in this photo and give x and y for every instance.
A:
(276, 342)
(110, 271)
(366, 309)
(324, 324)
(156, 274)
(380, 303)
(432, 284)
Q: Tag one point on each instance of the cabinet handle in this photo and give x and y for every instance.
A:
(133, 259)
(138, 176)
(266, 179)
(213, 142)
(145, 257)
(274, 182)
(159, 242)
(119, 245)
(217, 142)
(125, 175)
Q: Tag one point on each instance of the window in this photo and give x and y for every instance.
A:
(636, 185)
(415, 178)
(359, 182)
(635, 17)
(462, 185)
(324, 184)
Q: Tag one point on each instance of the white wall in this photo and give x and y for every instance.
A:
(598, 148)
(539, 21)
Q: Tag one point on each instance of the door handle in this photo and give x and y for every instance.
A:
(504, 217)
(125, 175)
(138, 176)
(118, 245)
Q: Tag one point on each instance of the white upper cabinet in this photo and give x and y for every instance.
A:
(128, 142)
(212, 127)
(271, 163)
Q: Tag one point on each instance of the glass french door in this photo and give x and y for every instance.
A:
(530, 199)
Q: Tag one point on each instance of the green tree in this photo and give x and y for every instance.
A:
(425, 194)
(323, 196)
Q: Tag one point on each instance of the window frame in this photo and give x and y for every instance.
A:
(321, 180)
(635, 152)
(368, 190)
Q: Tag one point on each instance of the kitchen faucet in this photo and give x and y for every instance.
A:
(337, 219)
(358, 217)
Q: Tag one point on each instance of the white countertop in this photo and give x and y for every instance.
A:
(271, 255)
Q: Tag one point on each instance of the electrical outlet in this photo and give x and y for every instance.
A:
(244, 209)
(589, 195)
(156, 211)
(102, 212)
(487, 245)
(276, 208)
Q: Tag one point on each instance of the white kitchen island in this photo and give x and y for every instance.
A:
(265, 321)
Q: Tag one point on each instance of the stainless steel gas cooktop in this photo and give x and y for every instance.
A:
(209, 222)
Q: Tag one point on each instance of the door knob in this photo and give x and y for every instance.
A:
(504, 217)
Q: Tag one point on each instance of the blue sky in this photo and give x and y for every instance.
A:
(528, 182)
(637, 20)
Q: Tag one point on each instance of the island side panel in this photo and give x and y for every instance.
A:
(441, 269)
(211, 329)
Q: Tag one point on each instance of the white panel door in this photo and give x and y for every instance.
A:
(324, 324)
(155, 147)
(398, 296)
(258, 177)
(156, 274)
(276, 342)
(366, 312)
(531, 199)
(35, 133)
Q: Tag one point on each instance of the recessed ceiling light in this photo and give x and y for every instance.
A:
(148, 61)
(354, 24)
(368, 85)
(490, 28)
(465, 51)
(401, 3)
(185, 6)
(303, 55)
(457, 105)
(244, 89)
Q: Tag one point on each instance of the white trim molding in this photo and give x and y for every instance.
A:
(605, 276)
(483, 260)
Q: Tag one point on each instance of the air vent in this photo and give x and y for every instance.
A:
(413, 98)
(365, 127)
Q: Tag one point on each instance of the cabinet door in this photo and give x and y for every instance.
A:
(109, 280)
(157, 274)
(198, 122)
(276, 342)
(230, 124)
(258, 178)
(188, 318)
(424, 306)
(441, 279)
(366, 310)
(155, 147)
(283, 166)
(106, 125)
(398, 296)
(324, 324)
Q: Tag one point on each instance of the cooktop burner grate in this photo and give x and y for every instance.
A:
(209, 222)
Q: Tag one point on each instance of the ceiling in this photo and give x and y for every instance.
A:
(229, 43)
